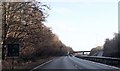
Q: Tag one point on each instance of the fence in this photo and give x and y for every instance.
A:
(105, 60)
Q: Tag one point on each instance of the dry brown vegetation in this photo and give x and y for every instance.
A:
(111, 47)
(23, 23)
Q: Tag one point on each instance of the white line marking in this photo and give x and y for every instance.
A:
(42, 65)
(102, 64)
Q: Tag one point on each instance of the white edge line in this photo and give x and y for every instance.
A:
(103, 64)
(42, 64)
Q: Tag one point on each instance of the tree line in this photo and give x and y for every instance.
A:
(23, 24)
(111, 47)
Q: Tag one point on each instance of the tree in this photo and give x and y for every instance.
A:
(17, 18)
(111, 47)
(95, 50)
(23, 23)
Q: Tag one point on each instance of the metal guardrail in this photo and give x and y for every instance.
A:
(105, 60)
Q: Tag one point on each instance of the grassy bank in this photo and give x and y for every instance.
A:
(7, 65)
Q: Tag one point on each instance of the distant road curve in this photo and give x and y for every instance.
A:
(67, 62)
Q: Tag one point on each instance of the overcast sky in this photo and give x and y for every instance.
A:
(83, 24)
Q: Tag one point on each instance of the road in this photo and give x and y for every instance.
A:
(68, 62)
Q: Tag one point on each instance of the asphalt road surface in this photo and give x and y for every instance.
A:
(68, 62)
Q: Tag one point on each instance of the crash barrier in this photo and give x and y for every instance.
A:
(105, 60)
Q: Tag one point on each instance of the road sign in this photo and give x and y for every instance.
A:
(12, 50)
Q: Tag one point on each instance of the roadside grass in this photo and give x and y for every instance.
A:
(9, 64)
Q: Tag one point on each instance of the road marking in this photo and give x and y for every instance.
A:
(42, 64)
(102, 64)
(108, 65)
(74, 63)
